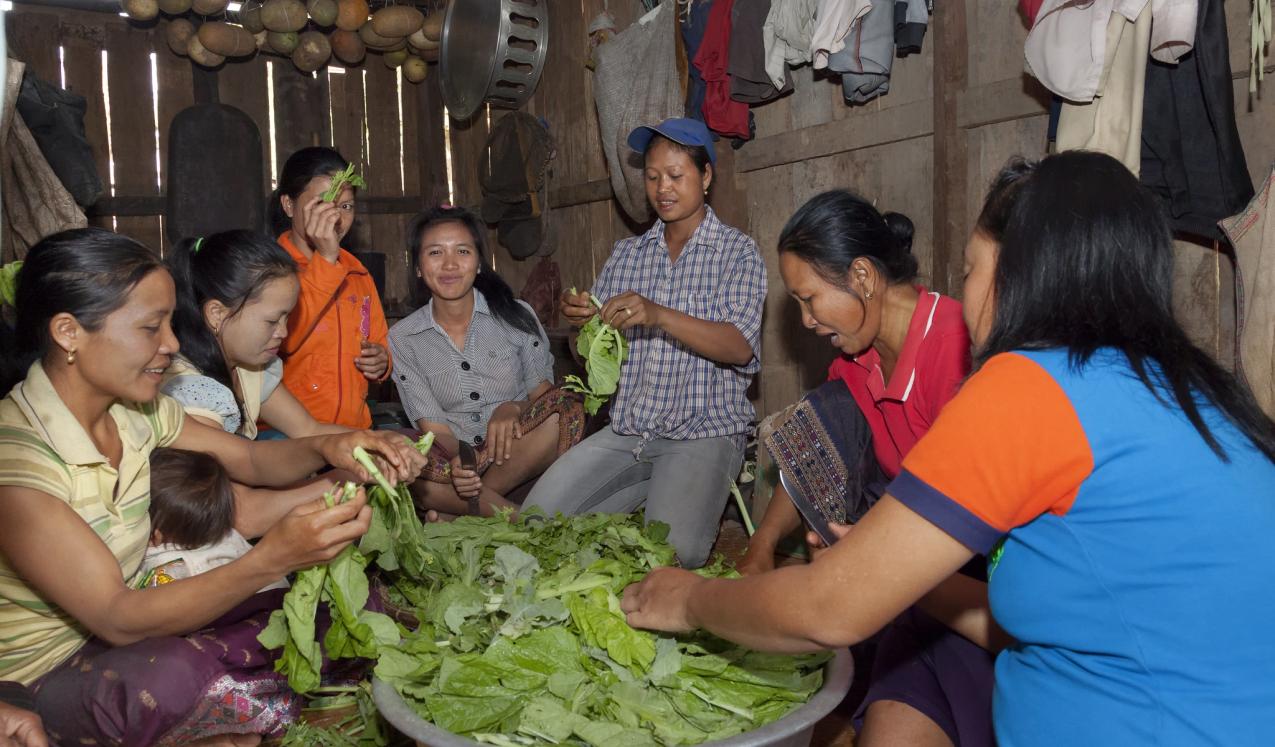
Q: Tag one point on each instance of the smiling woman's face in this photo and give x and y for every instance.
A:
(126, 356)
(674, 185)
(447, 260)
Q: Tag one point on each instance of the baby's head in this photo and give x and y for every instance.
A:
(192, 503)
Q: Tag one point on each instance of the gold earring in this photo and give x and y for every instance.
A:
(70, 357)
(868, 295)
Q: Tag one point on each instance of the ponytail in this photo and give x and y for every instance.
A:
(232, 268)
(835, 228)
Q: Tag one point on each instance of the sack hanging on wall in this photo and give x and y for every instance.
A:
(636, 83)
(56, 120)
(35, 202)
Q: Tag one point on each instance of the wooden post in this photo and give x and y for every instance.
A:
(205, 85)
(951, 179)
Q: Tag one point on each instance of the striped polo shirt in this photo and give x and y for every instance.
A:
(43, 447)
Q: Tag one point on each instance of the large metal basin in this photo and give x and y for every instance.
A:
(793, 730)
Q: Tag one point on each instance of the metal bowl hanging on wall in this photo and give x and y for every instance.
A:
(493, 51)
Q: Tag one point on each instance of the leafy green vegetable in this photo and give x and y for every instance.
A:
(355, 632)
(603, 349)
(340, 179)
(522, 642)
(9, 282)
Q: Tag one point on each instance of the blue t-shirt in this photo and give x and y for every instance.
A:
(1135, 568)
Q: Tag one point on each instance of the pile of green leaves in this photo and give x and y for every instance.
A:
(522, 642)
(9, 282)
(340, 179)
(395, 538)
(359, 726)
(603, 349)
(355, 632)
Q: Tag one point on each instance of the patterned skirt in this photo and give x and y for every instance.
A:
(569, 408)
(176, 689)
(823, 445)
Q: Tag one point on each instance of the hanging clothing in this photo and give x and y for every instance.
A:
(1191, 151)
(1030, 9)
(1112, 122)
(911, 18)
(749, 81)
(786, 36)
(1252, 233)
(694, 23)
(1066, 49)
(865, 61)
(36, 204)
(636, 83)
(833, 21)
(722, 114)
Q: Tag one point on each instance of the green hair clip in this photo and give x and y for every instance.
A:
(199, 242)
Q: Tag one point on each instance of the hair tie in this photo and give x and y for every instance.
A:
(447, 206)
(199, 242)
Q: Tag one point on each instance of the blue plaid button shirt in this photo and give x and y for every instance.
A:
(667, 391)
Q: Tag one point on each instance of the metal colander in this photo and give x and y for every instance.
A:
(493, 51)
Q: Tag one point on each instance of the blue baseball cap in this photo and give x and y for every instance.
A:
(680, 130)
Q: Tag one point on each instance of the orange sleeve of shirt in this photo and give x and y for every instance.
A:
(320, 281)
(1007, 449)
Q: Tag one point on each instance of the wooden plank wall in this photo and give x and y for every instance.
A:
(927, 149)
(405, 169)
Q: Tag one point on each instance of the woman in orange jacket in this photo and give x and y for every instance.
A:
(337, 335)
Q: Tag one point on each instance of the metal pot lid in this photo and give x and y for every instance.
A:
(492, 50)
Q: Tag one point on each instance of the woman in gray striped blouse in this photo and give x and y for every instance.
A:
(473, 365)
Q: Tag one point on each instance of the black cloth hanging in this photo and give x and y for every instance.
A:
(1191, 151)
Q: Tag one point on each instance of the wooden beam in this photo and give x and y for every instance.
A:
(951, 178)
(134, 206)
(866, 130)
(598, 190)
(207, 90)
(1003, 101)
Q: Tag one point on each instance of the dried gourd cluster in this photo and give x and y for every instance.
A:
(310, 33)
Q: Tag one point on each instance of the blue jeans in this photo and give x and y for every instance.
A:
(684, 484)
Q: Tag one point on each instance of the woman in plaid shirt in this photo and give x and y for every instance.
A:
(688, 295)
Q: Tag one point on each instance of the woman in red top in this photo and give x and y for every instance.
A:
(337, 336)
(905, 351)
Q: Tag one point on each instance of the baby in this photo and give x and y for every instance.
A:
(192, 518)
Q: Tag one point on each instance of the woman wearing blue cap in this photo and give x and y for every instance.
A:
(688, 295)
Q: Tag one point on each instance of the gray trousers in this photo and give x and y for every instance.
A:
(684, 484)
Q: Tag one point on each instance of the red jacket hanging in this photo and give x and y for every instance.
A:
(722, 114)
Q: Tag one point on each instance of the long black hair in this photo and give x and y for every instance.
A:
(1086, 262)
(231, 267)
(835, 228)
(500, 297)
(298, 170)
(1002, 196)
(85, 272)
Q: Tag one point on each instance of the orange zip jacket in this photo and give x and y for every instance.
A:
(337, 307)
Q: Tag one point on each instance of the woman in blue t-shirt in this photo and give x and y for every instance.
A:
(1121, 482)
